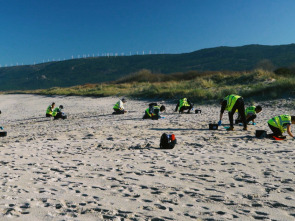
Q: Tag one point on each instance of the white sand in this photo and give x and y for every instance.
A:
(98, 166)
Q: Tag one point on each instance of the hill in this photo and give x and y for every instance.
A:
(105, 69)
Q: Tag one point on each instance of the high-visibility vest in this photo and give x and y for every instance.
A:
(231, 100)
(49, 110)
(118, 105)
(183, 103)
(280, 122)
(55, 111)
(150, 111)
(250, 110)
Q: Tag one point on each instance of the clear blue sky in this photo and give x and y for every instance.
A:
(36, 30)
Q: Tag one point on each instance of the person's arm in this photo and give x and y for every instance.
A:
(289, 130)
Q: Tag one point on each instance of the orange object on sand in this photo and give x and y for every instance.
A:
(279, 138)
(172, 137)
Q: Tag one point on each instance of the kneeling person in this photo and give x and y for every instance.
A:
(153, 112)
(250, 114)
(57, 113)
(119, 107)
(281, 124)
(49, 110)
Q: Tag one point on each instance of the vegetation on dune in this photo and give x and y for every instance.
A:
(200, 87)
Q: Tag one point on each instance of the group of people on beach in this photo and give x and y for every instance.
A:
(235, 103)
(232, 103)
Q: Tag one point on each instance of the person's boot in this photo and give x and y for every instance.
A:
(230, 128)
(245, 128)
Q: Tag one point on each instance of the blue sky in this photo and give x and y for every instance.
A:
(41, 30)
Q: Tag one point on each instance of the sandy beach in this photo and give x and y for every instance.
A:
(99, 166)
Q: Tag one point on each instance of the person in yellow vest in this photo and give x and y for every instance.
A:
(153, 111)
(184, 104)
(231, 103)
(119, 107)
(50, 109)
(57, 113)
(281, 124)
(250, 113)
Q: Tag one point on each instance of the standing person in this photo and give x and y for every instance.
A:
(57, 113)
(153, 111)
(50, 109)
(119, 107)
(281, 124)
(231, 103)
(184, 104)
(250, 114)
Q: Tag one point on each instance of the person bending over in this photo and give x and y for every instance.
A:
(50, 109)
(250, 114)
(281, 124)
(119, 107)
(153, 111)
(231, 103)
(183, 104)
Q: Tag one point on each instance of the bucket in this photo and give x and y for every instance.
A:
(198, 111)
(3, 133)
(261, 133)
(213, 126)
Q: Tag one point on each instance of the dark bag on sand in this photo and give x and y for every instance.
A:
(167, 141)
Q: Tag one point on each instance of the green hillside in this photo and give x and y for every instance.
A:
(105, 69)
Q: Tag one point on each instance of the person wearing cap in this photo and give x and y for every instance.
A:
(250, 113)
(153, 111)
(57, 113)
(231, 103)
(184, 104)
(50, 109)
(119, 107)
(281, 124)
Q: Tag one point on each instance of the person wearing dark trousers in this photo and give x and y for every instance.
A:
(119, 107)
(184, 104)
(231, 103)
(251, 114)
(281, 124)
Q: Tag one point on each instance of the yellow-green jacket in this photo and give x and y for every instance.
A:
(231, 100)
(119, 105)
(49, 110)
(250, 110)
(55, 111)
(153, 111)
(183, 103)
(280, 122)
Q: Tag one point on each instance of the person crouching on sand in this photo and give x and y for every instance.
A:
(281, 124)
(50, 109)
(231, 103)
(153, 111)
(251, 114)
(183, 104)
(57, 113)
(119, 107)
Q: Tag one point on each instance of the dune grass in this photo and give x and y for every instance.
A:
(199, 87)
